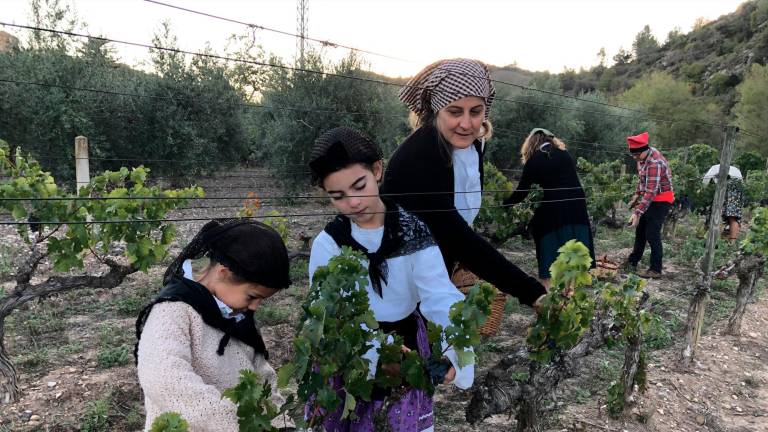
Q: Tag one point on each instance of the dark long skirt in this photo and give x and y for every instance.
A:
(547, 246)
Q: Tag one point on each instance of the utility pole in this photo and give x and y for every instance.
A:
(696, 309)
(302, 16)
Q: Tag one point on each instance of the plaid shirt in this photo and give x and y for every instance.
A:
(655, 178)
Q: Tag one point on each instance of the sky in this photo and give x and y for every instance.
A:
(537, 35)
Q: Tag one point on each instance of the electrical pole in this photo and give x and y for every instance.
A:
(301, 29)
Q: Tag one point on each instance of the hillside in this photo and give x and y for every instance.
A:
(512, 74)
(713, 57)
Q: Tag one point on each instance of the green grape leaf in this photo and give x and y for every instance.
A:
(285, 373)
(169, 422)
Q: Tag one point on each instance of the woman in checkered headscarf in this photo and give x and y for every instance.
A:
(437, 172)
(451, 84)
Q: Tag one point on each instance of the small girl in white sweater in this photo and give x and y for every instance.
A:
(195, 337)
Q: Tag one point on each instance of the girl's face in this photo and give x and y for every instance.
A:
(240, 296)
(461, 121)
(354, 192)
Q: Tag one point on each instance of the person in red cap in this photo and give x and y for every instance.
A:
(653, 198)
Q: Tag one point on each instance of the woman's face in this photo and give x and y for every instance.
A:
(354, 192)
(461, 121)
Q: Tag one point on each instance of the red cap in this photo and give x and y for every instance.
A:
(638, 143)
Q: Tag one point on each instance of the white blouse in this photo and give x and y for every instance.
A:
(466, 183)
(420, 277)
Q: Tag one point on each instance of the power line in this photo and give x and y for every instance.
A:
(329, 43)
(351, 77)
(283, 108)
(285, 33)
(128, 221)
(286, 108)
(274, 197)
(200, 54)
(569, 141)
(604, 114)
(752, 134)
(268, 197)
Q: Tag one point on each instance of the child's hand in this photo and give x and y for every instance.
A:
(450, 375)
(393, 369)
(440, 371)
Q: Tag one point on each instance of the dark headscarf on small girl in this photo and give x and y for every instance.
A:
(251, 250)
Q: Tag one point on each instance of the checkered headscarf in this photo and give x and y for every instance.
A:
(445, 81)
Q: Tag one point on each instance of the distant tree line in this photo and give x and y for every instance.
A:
(195, 112)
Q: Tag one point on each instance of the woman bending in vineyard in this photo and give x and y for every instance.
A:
(195, 337)
(437, 172)
(407, 280)
(562, 213)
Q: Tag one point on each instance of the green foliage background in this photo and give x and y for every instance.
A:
(196, 114)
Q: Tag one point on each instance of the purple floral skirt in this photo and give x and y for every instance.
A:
(412, 413)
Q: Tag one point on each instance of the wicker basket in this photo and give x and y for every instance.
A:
(605, 268)
(464, 280)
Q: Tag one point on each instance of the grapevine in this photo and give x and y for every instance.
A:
(495, 221)
(572, 322)
(604, 186)
(169, 422)
(338, 329)
(255, 410)
(33, 198)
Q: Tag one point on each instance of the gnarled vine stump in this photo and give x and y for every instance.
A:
(24, 292)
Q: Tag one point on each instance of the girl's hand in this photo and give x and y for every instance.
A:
(393, 369)
(450, 376)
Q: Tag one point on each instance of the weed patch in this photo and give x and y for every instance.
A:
(113, 349)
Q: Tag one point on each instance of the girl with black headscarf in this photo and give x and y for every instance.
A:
(407, 282)
(198, 333)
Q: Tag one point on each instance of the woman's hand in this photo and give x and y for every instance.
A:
(537, 303)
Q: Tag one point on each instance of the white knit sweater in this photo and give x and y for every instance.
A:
(180, 371)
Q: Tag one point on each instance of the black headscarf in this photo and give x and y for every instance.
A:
(250, 249)
(338, 148)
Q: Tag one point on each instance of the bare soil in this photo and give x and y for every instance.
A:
(70, 349)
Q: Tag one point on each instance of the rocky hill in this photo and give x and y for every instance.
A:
(713, 57)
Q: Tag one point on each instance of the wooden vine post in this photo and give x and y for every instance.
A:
(82, 169)
(698, 305)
